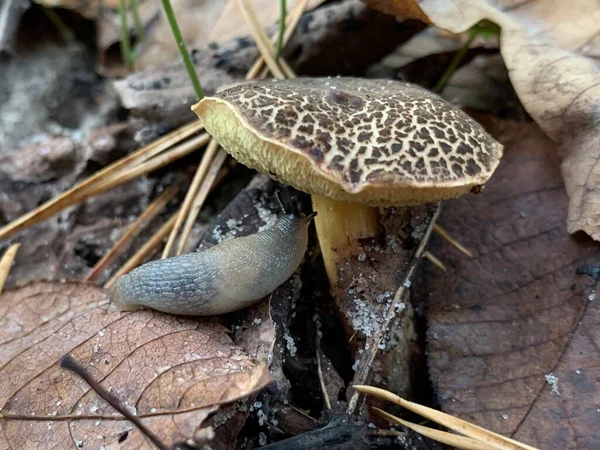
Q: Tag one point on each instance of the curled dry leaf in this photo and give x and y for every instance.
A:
(551, 53)
(513, 333)
(170, 371)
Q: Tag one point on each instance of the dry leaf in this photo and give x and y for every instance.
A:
(172, 372)
(513, 333)
(551, 52)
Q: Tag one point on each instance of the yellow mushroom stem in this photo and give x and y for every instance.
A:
(340, 228)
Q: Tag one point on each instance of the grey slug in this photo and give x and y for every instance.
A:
(227, 277)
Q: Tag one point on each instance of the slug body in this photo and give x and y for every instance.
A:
(229, 276)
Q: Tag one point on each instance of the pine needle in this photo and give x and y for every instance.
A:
(446, 420)
(132, 232)
(6, 263)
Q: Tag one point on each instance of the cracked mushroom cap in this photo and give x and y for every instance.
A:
(378, 142)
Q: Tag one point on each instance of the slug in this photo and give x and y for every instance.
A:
(227, 277)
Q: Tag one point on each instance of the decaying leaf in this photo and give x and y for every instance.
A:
(172, 372)
(551, 53)
(513, 333)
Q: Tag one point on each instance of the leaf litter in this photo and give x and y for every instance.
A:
(513, 335)
(275, 331)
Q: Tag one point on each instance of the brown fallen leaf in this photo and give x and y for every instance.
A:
(552, 57)
(513, 333)
(173, 372)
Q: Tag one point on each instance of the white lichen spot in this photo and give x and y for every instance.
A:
(257, 321)
(355, 365)
(505, 416)
(552, 380)
(262, 439)
(362, 257)
(101, 333)
(290, 344)
(592, 296)
(93, 409)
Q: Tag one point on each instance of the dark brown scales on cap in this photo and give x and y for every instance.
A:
(377, 141)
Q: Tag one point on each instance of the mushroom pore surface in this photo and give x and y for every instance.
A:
(379, 142)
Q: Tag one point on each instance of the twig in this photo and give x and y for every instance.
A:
(282, 15)
(453, 242)
(369, 355)
(69, 363)
(124, 41)
(143, 252)
(318, 337)
(435, 261)
(134, 229)
(6, 263)
(81, 191)
(200, 174)
(187, 60)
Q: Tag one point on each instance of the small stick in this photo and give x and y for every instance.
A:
(200, 198)
(389, 433)
(263, 47)
(132, 232)
(156, 163)
(200, 174)
(453, 242)
(144, 251)
(434, 260)
(79, 192)
(369, 356)
(68, 363)
(318, 336)
(6, 263)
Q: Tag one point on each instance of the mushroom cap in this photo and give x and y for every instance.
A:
(378, 142)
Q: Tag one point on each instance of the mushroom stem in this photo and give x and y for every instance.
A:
(340, 228)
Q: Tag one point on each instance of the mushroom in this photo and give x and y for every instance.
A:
(354, 145)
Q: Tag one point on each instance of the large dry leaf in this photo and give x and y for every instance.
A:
(516, 317)
(551, 50)
(172, 372)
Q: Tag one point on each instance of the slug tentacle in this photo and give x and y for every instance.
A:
(229, 276)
